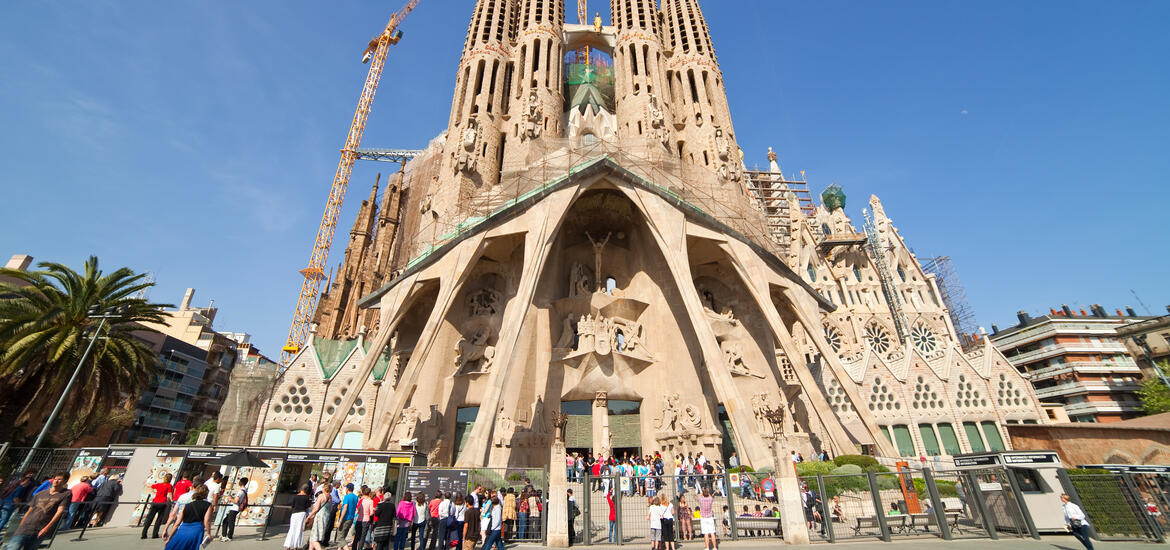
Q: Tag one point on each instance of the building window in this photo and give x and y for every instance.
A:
(812, 273)
(878, 338)
(950, 440)
(903, 440)
(929, 441)
(856, 273)
(351, 440)
(298, 438)
(833, 337)
(901, 274)
(923, 338)
(994, 440)
(273, 437)
(973, 437)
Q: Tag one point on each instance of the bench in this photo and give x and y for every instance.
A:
(748, 524)
(897, 524)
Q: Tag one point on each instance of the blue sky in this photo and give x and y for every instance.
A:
(1029, 141)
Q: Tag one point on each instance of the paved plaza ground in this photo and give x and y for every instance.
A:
(122, 538)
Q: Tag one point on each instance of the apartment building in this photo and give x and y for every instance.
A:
(1076, 359)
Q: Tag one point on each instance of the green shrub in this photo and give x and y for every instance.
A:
(848, 469)
(814, 468)
(866, 462)
(741, 469)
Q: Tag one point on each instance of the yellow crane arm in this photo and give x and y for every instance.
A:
(314, 273)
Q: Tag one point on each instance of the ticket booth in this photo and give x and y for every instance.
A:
(1034, 472)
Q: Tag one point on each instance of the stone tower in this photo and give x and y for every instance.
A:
(475, 134)
(706, 137)
(644, 105)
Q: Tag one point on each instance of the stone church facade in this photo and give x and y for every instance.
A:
(585, 237)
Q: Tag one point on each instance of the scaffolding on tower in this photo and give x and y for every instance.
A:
(953, 295)
(878, 250)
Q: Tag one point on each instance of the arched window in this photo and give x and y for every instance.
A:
(589, 138)
(901, 274)
(273, 437)
(298, 438)
(856, 273)
(825, 229)
(610, 285)
(812, 273)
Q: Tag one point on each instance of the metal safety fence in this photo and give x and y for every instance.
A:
(522, 492)
(1118, 505)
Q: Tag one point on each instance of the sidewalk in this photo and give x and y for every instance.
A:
(124, 538)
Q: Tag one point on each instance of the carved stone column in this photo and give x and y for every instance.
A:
(601, 434)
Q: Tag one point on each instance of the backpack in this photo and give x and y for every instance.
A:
(243, 500)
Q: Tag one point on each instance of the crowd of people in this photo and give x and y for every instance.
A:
(365, 518)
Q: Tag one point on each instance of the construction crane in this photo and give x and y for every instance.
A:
(314, 273)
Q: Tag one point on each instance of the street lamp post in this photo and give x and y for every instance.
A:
(69, 386)
(787, 486)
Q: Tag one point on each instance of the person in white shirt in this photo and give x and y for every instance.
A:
(1076, 521)
(654, 515)
(214, 488)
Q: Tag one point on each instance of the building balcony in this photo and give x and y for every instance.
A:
(1056, 350)
(1083, 387)
(1078, 409)
(1123, 366)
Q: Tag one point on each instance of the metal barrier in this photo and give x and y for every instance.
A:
(521, 526)
(1114, 506)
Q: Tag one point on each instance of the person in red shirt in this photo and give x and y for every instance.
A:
(158, 506)
(80, 491)
(182, 486)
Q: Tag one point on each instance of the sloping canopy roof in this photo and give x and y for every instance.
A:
(602, 165)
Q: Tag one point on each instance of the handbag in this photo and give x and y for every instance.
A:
(383, 533)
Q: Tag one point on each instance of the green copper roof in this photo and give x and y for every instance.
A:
(331, 354)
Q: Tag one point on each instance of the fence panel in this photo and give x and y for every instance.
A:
(850, 506)
(1154, 492)
(45, 461)
(1113, 510)
(959, 507)
(525, 484)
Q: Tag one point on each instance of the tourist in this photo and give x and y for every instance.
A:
(962, 494)
(811, 502)
(470, 531)
(573, 512)
(347, 511)
(667, 523)
(314, 482)
(570, 466)
(654, 516)
(509, 511)
(78, 492)
(495, 522)
(157, 513)
(318, 519)
(214, 486)
(334, 504)
(182, 486)
(612, 518)
(707, 520)
(1076, 521)
(445, 516)
(295, 538)
(686, 530)
(733, 462)
(14, 496)
(838, 513)
(101, 479)
(404, 513)
(418, 532)
(432, 520)
(363, 516)
(535, 507)
(238, 503)
(195, 524)
(522, 511)
(894, 511)
(384, 524)
(455, 526)
(726, 522)
(44, 510)
(105, 497)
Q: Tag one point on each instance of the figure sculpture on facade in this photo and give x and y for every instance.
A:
(598, 246)
(505, 428)
(658, 121)
(407, 424)
(733, 354)
(580, 283)
(474, 355)
(484, 302)
(465, 158)
(533, 117)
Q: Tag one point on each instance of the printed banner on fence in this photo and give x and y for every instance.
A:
(734, 480)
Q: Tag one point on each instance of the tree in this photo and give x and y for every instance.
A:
(45, 326)
(193, 433)
(1155, 395)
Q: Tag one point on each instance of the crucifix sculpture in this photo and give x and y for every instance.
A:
(597, 248)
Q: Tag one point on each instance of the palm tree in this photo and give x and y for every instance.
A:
(45, 325)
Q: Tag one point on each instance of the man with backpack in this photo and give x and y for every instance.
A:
(239, 503)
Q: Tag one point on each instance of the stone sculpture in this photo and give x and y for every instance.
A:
(533, 117)
(733, 353)
(505, 428)
(580, 283)
(474, 355)
(484, 302)
(465, 158)
(658, 122)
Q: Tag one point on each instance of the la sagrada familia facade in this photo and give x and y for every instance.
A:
(585, 237)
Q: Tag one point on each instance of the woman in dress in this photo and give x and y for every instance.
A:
(319, 519)
(301, 502)
(196, 523)
(686, 530)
